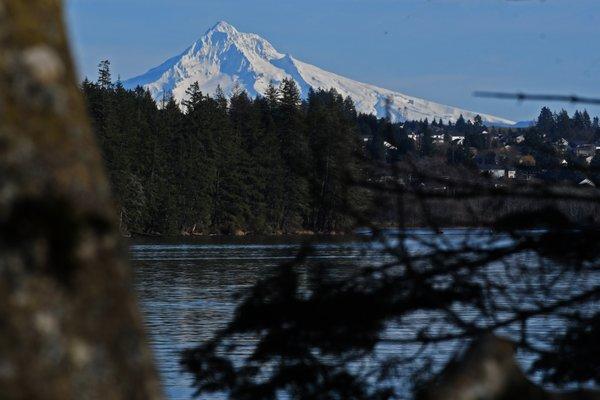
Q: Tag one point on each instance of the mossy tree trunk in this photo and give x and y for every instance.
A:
(489, 371)
(69, 323)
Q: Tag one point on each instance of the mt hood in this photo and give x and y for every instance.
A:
(231, 59)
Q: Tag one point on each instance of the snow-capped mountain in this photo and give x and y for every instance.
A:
(231, 59)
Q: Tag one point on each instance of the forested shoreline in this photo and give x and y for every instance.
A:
(269, 165)
(277, 164)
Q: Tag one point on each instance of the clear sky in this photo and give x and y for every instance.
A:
(441, 50)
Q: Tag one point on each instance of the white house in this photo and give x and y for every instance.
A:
(458, 139)
(520, 139)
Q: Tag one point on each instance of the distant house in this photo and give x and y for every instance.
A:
(525, 176)
(561, 145)
(366, 138)
(585, 150)
(458, 139)
(494, 172)
(437, 138)
(390, 146)
(520, 139)
(497, 172)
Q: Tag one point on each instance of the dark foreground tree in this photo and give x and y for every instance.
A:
(69, 324)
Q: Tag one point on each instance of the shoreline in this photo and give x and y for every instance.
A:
(358, 232)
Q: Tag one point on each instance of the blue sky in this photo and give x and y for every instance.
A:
(441, 50)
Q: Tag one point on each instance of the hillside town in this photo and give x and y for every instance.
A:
(556, 148)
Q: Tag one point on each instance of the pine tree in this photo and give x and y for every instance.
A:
(164, 212)
(269, 155)
(461, 125)
(332, 134)
(376, 146)
(230, 210)
(578, 121)
(563, 125)
(294, 151)
(246, 124)
(587, 122)
(196, 168)
(193, 98)
(272, 96)
(104, 75)
(546, 121)
(426, 147)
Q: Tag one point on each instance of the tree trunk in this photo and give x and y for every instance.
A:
(69, 323)
(489, 371)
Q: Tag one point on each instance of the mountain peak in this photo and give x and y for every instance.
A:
(224, 27)
(231, 59)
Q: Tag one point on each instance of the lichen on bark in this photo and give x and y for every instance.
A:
(69, 323)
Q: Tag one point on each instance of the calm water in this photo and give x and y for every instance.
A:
(188, 289)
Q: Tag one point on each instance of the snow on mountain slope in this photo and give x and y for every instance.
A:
(231, 59)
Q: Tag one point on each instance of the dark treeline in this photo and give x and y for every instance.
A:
(274, 164)
(280, 164)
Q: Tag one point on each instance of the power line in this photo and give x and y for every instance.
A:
(542, 97)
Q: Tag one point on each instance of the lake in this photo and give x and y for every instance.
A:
(187, 288)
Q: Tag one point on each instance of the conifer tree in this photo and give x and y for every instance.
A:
(294, 151)
(104, 75)
(197, 163)
(331, 125)
(563, 125)
(546, 122)
(246, 125)
(164, 216)
(426, 147)
(229, 208)
(461, 125)
(269, 155)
